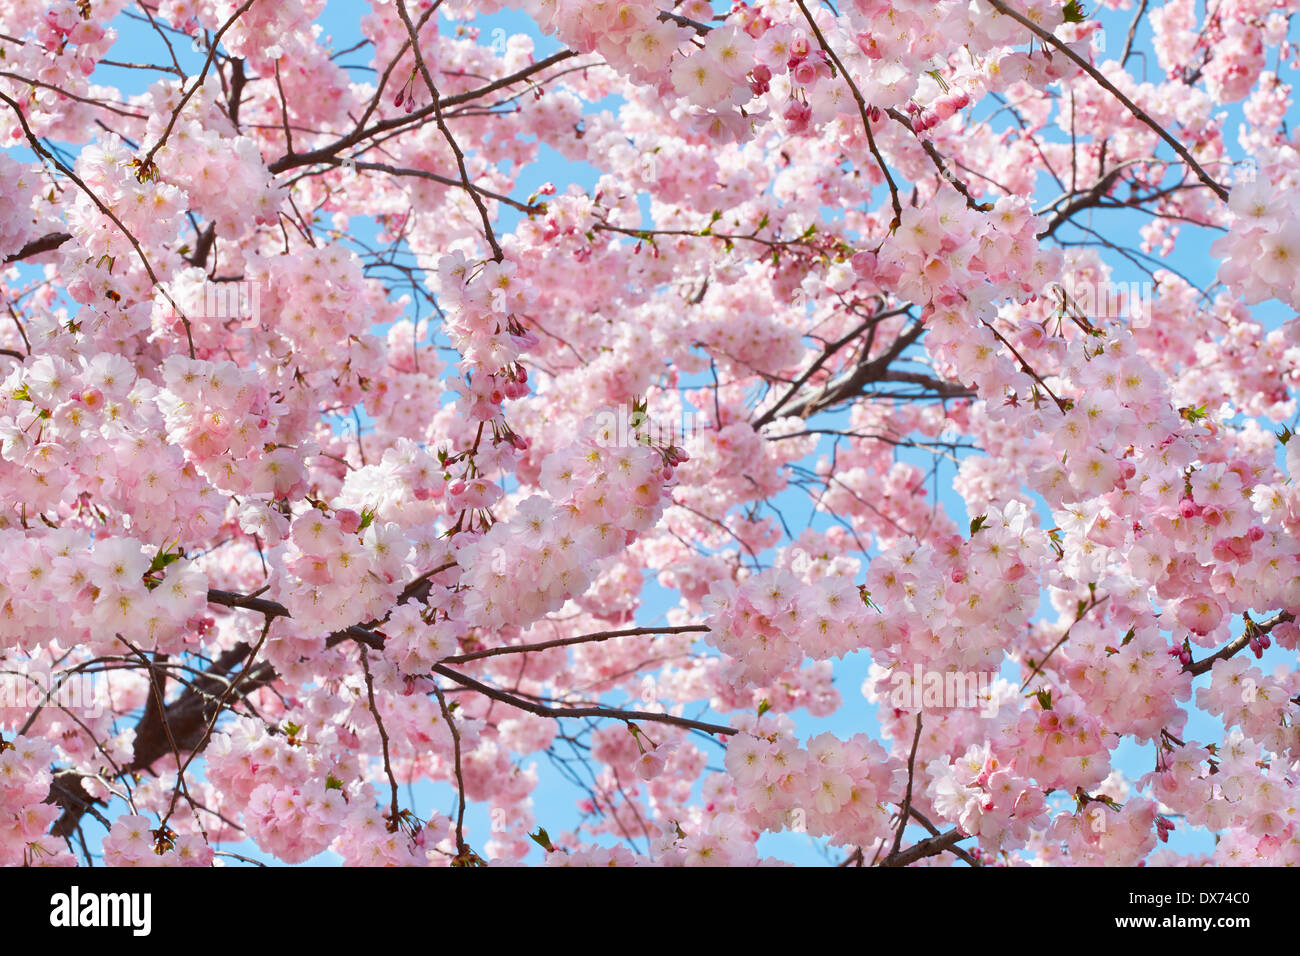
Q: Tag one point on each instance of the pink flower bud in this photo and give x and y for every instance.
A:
(649, 765)
(349, 521)
(798, 115)
(864, 264)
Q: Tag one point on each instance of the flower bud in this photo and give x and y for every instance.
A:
(864, 264)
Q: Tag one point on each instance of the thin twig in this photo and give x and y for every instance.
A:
(1138, 113)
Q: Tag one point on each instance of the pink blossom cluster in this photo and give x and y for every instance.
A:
(299, 375)
(1222, 787)
(1261, 705)
(773, 620)
(987, 798)
(110, 595)
(1262, 244)
(598, 500)
(828, 787)
(133, 840)
(25, 817)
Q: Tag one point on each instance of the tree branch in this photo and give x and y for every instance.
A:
(1239, 643)
(46, 243)
(1138, 113)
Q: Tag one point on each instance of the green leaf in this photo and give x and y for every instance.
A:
(1285, 435)
(978, 524)
(1194, 415)
(866, 597)
(763, 707)
(542, 839)
(1074, 12)
(333, 783)
(367, 518)
(21, 394)
(1044, 699)
(165, 557)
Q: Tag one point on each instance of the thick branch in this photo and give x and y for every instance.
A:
(1239, 643)
(851, 384)
(930, 847)
(292, 160)
(47, 243)
(185, 721)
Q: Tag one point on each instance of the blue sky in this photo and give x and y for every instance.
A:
(555, 797)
